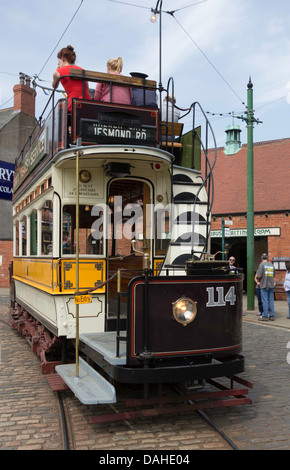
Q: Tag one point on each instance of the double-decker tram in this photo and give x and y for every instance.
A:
(112, 277)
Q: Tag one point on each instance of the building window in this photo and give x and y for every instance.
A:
(46, 228)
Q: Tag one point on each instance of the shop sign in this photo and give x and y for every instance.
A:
(258, 232)
(6, 180)
(37, 151)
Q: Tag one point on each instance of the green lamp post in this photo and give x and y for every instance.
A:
(250, 202)
(250, 120)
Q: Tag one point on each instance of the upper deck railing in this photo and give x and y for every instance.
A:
(98, 123)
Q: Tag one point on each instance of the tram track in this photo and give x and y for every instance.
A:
(70, 440)
(204, 416)
(66, 419)
(64, 422)
(213, 425)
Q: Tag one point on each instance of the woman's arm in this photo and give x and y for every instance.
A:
(55, 79)
(98, 92)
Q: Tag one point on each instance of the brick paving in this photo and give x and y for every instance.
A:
(264, 425)
(30, 418)
(29, 413)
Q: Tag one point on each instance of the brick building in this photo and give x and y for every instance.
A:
(16, 124)
(271, 202)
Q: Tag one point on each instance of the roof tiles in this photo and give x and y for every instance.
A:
(271, 178)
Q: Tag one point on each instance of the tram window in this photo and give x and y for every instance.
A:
(46, 228)
(24, 236)
(33, 232)
(17, 238)
(90, 231)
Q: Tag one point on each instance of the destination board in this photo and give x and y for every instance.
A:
(93, 131)
(101, 123)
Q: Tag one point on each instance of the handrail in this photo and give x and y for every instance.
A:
(208, 182)
(91, 76)
(86, 76)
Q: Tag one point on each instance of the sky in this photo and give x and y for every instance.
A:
(209, 47)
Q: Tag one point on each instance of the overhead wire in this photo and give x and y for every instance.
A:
(209, 61)
(182, 8)
(171, 13)
(37, 76)
(71, 20)
(8, 73)
(149, 8)
(130, 4)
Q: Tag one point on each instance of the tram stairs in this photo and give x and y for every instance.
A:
(190, 222)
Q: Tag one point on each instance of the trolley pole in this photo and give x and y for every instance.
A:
(158, 11)
(78, 153)
(77, 260)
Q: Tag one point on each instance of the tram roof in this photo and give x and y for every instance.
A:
(115, 152)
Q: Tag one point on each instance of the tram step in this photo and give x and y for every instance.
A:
(88, 386)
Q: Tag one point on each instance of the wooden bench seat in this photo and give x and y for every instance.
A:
(177, 128)
(92, 76)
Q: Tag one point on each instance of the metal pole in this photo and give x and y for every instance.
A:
(223, 238)
(250, 201)
(77, 260)
(160, 50)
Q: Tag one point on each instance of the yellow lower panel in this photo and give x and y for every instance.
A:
(91, 274)
(45, 274)
(40, 273)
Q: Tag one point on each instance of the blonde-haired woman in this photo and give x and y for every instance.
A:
(120, 94)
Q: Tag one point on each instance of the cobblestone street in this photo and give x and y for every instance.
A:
(30, 416)
(266, 423)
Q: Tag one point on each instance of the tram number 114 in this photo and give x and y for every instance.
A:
(219, 299)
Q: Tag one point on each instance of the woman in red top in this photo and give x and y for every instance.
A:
(74, 88)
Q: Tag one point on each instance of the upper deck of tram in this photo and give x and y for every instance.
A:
(93, 123)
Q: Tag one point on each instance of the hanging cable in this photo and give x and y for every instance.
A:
(61, 36)
(148, 8)
(8, 73)
(209, 61)
(182, 8)
(171, 13)
(130, 4)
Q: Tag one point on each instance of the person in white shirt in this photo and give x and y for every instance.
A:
(168, 103)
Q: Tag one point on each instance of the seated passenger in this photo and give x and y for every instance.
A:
(168, 103)
(138, 97)
(120, 94)
(74, 88)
